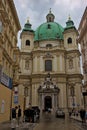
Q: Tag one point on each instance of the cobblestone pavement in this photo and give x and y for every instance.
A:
(23, 126)
(48, 122)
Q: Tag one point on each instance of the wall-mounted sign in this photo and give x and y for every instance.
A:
(0, 72)
(15, 99)
(1, 27)
(5, 79)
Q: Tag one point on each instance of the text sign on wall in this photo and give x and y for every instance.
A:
(1, 27)
(0, 72)
(15, 99)
(5, 79)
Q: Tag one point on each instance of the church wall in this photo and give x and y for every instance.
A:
(60, 52)
(74, 97)
(72, 35)
(26, 67)
(35, 87)
(44, 43)
(79, 97)
(62, 95)
(58, 63)
(74, 66)
(41, 63)
(25, 48)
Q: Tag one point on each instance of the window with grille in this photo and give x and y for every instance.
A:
(48, 65)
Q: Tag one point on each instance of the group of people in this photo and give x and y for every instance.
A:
(31, 114)
(82, 112)
(16, 114)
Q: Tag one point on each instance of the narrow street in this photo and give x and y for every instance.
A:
(48, 122)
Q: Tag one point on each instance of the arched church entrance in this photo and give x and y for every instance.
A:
(47, 102)
(48, 94)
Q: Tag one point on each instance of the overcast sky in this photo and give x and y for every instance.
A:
(37, 10)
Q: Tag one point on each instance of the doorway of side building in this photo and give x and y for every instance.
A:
(47, 103)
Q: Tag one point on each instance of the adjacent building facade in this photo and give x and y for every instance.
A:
(83, 42)
(50, 65)
(9, 27)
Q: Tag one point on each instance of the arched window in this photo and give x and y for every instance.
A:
(27, 42)
(69, 40)
(48, 65)
(49, 26)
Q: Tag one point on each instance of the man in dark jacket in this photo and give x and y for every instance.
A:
(19, 114)
(14, 121)
(82, 115)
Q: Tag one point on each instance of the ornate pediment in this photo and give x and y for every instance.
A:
(48, 85)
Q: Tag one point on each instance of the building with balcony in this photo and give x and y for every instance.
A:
(9, 27)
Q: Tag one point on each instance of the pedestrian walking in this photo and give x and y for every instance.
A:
(19, 114)
(14, 118)
(82, 115)
(86, 116)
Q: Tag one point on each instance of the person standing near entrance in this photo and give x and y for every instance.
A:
(14, 118)
(82, 115)
(19, 114)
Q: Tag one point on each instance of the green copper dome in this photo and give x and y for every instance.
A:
(49, 30)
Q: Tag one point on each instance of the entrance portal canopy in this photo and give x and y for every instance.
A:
(48, 85)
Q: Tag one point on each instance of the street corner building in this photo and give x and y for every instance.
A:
(9, 27)
(50, 66)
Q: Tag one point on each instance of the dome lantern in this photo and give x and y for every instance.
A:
(69, 24)
(27, 26)
(50, 17)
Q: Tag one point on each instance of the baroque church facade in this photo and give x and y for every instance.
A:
(50, 65)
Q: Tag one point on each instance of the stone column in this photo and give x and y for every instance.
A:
(42, 101)
(41, 64)
(55, 63)
(35, 64)
(61, 64)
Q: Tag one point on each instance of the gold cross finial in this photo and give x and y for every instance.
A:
(27, 19)
(69, 18)
(50, 10)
